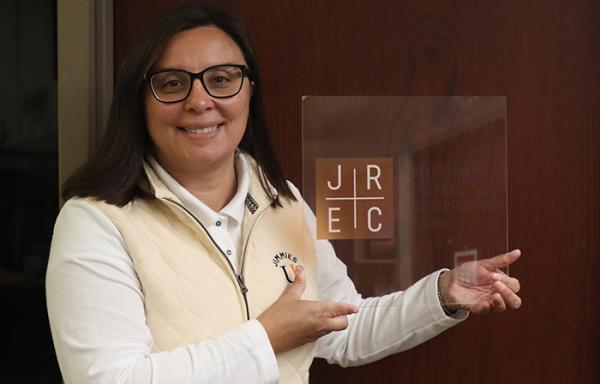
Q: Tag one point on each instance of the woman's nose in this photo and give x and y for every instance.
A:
(198, 100)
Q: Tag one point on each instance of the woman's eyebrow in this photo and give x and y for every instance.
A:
(168, 68)
(161, 69)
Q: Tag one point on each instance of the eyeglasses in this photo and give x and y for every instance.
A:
(219, 81)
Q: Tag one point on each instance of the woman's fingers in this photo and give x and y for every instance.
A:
(334, 309)
(291, 321)
(509, 297)
(333, 324)
(335, 315)
(502, 260)
(498, 304)
(510, 282)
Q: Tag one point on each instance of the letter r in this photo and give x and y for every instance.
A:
(375, 178)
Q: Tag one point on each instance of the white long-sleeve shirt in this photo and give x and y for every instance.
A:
(96, 307)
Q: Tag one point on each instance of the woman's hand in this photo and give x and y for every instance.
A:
(291, 322)
(480, 286)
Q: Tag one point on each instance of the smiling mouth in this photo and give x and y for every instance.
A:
(201, 131)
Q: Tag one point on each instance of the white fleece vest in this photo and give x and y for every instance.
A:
(191, 292)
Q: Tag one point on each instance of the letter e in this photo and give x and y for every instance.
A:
(331, 219)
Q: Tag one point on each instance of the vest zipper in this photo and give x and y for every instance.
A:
(247, 239)
(239, 278)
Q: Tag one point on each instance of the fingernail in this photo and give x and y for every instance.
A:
(299, 268)
(496, 276)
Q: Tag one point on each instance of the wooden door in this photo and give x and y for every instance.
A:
(544, 56)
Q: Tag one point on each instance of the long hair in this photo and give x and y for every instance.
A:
(115, 171)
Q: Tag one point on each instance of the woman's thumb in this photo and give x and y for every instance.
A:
(299, 284)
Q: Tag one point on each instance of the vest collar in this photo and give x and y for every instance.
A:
(155, 186)
(256, 200)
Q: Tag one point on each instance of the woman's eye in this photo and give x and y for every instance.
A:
(172, 84)
(220, 80)
(169, 82)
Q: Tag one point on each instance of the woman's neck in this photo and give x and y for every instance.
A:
(214, 186)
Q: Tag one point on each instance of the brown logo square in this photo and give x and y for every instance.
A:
(355, 198)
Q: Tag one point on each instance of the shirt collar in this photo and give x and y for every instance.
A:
(234, 210)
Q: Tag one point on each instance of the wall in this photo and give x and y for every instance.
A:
(544, 57)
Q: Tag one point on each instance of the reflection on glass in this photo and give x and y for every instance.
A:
(29, 193)
(441, 163)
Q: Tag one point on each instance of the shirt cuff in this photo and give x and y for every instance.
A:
(264, 351)
(435, 306)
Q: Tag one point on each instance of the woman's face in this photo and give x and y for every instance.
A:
(199, 133)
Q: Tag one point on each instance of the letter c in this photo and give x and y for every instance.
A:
(369, 216)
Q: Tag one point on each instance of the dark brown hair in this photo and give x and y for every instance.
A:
(114, 172)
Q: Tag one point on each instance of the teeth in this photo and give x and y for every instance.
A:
(202, 130)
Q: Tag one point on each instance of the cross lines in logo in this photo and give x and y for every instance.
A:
(354, 198)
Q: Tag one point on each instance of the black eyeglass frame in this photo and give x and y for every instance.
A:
(200, 76)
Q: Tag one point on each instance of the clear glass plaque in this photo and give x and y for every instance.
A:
(405, 185)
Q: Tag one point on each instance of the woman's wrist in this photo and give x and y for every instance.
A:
(448, 305)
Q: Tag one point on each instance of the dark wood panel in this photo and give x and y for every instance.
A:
(544, 57)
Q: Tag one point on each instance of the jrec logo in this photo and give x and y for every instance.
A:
(355, 198)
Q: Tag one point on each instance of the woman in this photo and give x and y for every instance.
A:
(161, 267)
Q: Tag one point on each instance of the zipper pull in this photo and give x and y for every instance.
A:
(240, 280)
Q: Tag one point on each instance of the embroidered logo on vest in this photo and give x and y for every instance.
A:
(287, 262)
(251, 204)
